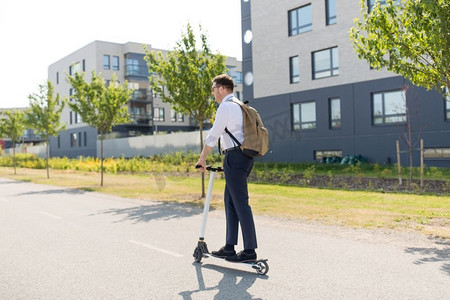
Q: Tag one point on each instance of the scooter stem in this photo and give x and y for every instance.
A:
(207, 203)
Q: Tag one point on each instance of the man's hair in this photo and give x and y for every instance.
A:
(225, 81)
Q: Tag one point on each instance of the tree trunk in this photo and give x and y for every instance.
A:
(14, 157)
(46, 156)
(101, 158)
(201, 148)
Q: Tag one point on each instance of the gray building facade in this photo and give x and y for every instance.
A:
(317, 99)
(150, 115)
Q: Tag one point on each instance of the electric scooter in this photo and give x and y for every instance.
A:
(201, 251)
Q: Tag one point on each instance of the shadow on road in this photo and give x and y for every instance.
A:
(53, 192)
(7, 181)
(433, 255)
(229, 287)
(158, 211)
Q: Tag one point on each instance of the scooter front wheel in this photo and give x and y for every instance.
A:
(198, 254)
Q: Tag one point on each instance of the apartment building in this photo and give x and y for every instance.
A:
(318, 99)
(150, 115)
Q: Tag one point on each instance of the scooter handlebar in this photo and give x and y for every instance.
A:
(211, 168)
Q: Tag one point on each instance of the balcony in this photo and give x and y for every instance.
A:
(141, 96)
(136, 70)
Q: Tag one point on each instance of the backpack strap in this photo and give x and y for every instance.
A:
(232, 136)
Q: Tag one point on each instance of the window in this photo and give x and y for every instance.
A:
(106, 62)
(84, 65)
(85, 138)
(180, 117)
(447, 109)
(115, 62)
(320, 155)
(74, 68)
(325, 63)
(330, 11)
(447, 105)
(70, 117)
(294, 74)
(73, 139)
(158, 114)
(59, 141)
(335, 113)
(389, 107)
(77, 118)
(173, 115)
(237, 77)
(79, 139)
(300, 20)
(304, 116)
(436, 153)
(57, 77)
(371, 3)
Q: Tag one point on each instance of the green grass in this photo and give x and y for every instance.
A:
(424, 213)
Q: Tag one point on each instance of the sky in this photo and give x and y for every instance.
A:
(36, 33)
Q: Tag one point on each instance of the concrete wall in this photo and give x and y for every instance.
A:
(38, 150)
(151, 144)
(272, 46)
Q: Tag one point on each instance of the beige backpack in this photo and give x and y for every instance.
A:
(256, 136)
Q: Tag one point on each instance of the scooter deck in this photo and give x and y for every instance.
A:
(249, 262)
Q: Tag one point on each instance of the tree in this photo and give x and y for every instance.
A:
(44, 115)
(184, 76)
(12, 125)
(408, 37)
(100, 106)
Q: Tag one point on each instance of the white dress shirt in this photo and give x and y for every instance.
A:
(228, 115)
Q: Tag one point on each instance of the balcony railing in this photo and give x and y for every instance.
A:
(141, 119)
(141, 95)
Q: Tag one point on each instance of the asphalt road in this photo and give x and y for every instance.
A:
(58, 243)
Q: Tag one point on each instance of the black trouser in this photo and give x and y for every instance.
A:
(237, 167)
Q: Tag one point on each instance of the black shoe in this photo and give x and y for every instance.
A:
(242, 257)
(223, 253)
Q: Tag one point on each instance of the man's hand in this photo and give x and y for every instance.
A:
(201, 165)
(202, 160)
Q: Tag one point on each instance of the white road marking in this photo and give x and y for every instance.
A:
(155, 248)
(50, 215)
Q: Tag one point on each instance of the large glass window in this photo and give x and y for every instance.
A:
(330, 11)
(115, 63)
(158, 114)
(300, 20)
(325, 63)
(436, 153)
(335, 112)
(389, 107)
(73, 139)
(106, 62)
(304, 116)
(321, 155)
(294, 73)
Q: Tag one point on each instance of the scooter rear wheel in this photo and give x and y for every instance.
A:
(263, 267)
